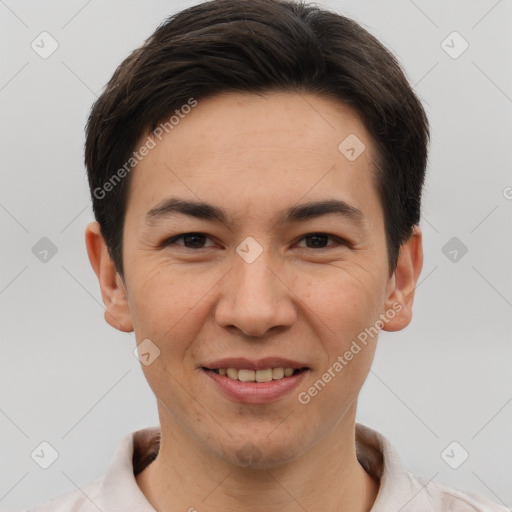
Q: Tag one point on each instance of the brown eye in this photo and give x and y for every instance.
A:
(320, 241)
(190, 240)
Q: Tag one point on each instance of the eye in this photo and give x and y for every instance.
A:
(198, 240)
(190, 240)
(319, 241)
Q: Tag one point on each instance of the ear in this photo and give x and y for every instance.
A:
(402, 284)
(113, 291)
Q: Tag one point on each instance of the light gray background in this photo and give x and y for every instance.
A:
(70, 379)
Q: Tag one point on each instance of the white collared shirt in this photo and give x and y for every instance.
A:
(400, 491)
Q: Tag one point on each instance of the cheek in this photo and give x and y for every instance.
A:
(344, 300)
(169, 307)
(167, 304)
(344, 309)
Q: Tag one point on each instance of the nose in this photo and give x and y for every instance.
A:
(255, 298)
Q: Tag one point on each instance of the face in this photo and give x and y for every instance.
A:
(283, 265)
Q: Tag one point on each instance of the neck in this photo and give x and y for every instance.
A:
(186, 476)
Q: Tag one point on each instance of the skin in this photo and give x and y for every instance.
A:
(256, 156)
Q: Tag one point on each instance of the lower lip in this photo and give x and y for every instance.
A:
(256, 392)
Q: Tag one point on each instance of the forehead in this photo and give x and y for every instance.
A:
(260, 150)
(276, 120)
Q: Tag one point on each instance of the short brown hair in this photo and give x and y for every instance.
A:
(257, 46)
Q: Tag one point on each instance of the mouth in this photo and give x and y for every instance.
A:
(255, 382)
(264, 375)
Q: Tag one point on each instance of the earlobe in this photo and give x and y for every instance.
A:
(113, 291)
(403, 283)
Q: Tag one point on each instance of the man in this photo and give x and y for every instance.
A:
(256, 170)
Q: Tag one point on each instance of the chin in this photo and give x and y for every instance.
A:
(260, 453)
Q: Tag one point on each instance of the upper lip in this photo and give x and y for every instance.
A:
(242, 363)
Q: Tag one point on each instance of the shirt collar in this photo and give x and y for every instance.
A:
(398, 490)
(119, 490)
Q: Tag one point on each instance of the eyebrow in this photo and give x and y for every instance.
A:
(201, 210)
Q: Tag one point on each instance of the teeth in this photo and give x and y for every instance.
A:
(232, 373)
(277, 373)
(256, 375)
(246, 375)
(264, 375)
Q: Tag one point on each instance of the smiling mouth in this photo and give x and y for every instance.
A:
(266, 375)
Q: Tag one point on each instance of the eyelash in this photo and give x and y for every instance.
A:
(339, 241)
